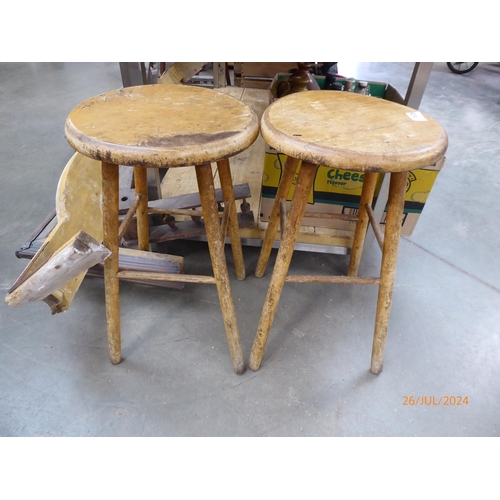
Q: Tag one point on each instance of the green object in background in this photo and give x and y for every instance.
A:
(377, 89)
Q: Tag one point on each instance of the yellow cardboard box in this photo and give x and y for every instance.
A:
(339, 191)
(418, 188)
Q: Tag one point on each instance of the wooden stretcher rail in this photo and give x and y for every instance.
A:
(352, 280)
(167, 277)
(375, 226)
(317, 215)
(130, 215)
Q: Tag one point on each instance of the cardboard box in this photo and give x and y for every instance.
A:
(418, 188)
(339, 191)
(377, 89)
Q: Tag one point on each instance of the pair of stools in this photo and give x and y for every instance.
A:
(168, 126)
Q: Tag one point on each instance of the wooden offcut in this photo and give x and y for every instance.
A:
(74, 258)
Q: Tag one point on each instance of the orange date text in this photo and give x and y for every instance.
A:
(435, 400)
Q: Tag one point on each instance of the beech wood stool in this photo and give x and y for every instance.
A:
(352, 132)
(166, 126)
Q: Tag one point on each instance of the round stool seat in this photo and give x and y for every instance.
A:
(161, 126)
(353, 132)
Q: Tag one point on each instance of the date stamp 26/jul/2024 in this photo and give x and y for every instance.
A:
(435, 401)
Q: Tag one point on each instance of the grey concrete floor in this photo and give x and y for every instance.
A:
(176, 378)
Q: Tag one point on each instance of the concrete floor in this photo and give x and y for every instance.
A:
(176, 378)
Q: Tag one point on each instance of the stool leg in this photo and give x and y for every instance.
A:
(285, 252)
(233, 227)
(395, 206)
(369, 183)
(110, 194)
(141, 187)
(274, 220)
(216, 248)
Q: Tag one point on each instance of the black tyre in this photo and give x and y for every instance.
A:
(461, 67)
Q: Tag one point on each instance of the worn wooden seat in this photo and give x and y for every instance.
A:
(353, 132)
(166, 126)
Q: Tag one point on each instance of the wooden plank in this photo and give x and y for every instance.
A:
(308, 235)
(192, 200)
(179, 181)
(131, 259)
(169, 263)
(182, 229)
(74, 258)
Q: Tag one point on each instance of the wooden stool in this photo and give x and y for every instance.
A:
(352, 132)
(166, 126)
